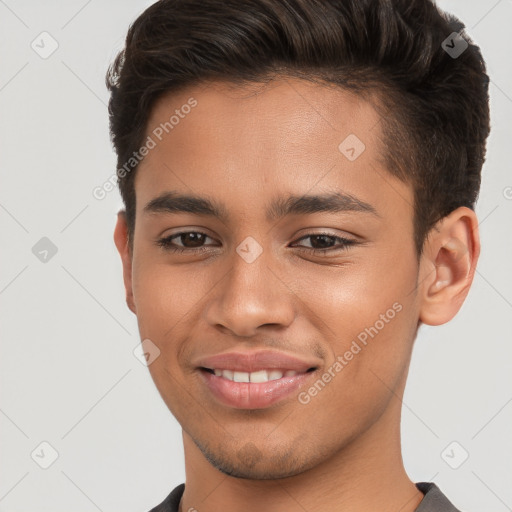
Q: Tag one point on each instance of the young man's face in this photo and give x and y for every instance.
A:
(259, 285)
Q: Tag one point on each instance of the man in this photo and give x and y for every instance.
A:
(299, 180)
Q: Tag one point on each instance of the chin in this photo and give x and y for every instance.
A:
(250, 463)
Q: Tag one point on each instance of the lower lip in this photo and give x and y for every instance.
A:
(257, 395)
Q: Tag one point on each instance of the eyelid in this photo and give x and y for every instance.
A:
(326, 232)
(302, 237)
(167, 243)
(173, 236)
(345, 243)
(184, 230)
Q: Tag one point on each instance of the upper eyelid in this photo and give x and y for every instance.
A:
(343, 240)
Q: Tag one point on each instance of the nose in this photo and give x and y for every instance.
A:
(250, 296)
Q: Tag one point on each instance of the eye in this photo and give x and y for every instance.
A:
(191, 242)
(322, 243)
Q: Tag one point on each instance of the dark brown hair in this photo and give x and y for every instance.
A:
(434, 106)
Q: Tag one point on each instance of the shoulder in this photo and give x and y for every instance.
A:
(172, 502)
(434, 500)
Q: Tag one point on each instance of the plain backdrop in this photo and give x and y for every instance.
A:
(69, 376)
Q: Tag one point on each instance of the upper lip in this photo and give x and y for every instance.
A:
(255, 361)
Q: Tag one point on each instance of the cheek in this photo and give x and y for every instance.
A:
(163, 294)
(155, 312)
(370, 342)
(352, 296)
(368, 316)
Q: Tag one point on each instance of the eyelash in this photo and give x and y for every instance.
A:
(167, 244)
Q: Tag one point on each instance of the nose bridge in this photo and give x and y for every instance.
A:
(251, 295)
(250, 264)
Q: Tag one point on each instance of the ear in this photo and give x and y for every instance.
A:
(448, 265)
(121, 239)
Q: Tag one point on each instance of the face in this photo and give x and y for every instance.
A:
(302, 245)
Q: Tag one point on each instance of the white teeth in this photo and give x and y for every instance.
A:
(259, 376)
(241, 377)
(274, 374)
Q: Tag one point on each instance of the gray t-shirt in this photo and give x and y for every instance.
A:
(434, 500)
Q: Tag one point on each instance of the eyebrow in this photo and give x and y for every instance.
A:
(174, 202)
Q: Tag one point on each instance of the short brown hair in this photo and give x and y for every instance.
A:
(434, 106)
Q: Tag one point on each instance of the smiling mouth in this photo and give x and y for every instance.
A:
(263, 375)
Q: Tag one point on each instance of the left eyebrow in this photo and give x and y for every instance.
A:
(174, 202)
(309, 204)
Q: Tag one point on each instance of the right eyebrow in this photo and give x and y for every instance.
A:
(174, 202)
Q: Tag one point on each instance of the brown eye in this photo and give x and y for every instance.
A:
(189, 241)
(323, 243)
(192, 239)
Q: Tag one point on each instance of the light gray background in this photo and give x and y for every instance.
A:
(68, 373)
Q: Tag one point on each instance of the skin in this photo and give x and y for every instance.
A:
(242, 146)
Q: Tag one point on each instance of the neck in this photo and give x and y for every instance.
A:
(366, 474)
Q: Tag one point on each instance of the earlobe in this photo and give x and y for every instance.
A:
(448, 266)
(121, 239)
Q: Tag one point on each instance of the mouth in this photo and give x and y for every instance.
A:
(263, 375)
(257, 389)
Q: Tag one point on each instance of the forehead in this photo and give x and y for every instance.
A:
(301, 112)
(288, 134)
